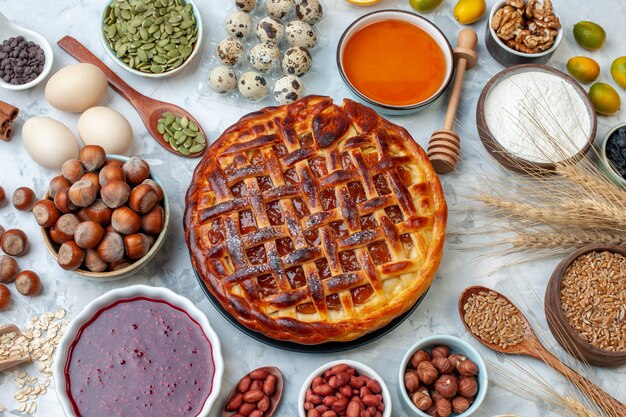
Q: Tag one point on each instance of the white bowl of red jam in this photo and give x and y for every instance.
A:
(141, 351)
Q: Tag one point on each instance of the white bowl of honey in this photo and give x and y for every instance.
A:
(395, 61)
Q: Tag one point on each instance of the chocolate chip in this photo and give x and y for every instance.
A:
(20, 61)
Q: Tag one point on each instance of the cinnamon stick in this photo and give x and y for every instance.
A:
(6, 134)
(5, 121)
(9, 110)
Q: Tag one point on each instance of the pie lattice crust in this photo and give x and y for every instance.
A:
(312, 222)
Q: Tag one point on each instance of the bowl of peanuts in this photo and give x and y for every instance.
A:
(344, 388)
(442, 376)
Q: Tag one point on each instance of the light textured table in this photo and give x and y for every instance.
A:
(437, 314)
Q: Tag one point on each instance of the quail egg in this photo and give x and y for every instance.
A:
(229, 51)
(264, 56)
(278, 8)
(222, 79)
(253, 86)
(238, 24)
(270, 29)
(300, 33)
(309, 11)
(245, 5)
(288, 88)
(296, 61)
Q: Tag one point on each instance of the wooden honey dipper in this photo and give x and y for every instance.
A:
(444, 146)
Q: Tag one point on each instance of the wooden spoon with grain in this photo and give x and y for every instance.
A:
(531, 346)
(148, 108)
(13, 361)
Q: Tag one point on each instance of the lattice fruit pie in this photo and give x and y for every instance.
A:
(313, 223)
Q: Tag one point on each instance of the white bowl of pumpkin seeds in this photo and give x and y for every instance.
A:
(152, 38)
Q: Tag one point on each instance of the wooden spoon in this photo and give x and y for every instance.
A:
(531, 346)
(274, 398)
(148, 108)
(11, 362)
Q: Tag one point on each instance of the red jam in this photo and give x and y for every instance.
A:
(140, 357)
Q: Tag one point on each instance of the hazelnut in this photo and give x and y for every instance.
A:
(411, 381)
(467, 386)
(142, 198)
(115, 193)
(418, 357)
(82, 215)
(14, 242)
(57, 236)
(443, 406)
(440, 352)
(427, 372)
(67, 224)
(24, 198)
(70, 256)
(121, 264)
(110, 173)
(136, 170)
(46, 213)
(63, 202)
(57, 183)
(93, 262)
(447, 386)
(82, 193)
(114, 162)
(455, 359)
(92, 157)
(157, 188)
(125, 221)
(153, 221)
(88, 234)
(8, 269)
(136, 245)
(443, 365)
(422, 400)
(467, 368)
(3, 196)
(5, 297)
(111, 247)
(28, 283)
(432, 411)
(460, 405)
(72, 170)
(99, 213)
(93, 178)
(1, 230)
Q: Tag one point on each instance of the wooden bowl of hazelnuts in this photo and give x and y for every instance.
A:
(442, 376)
(105, 216)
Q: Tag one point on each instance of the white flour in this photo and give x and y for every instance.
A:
(538, 117)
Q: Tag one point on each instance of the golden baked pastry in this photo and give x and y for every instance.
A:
(313, 223)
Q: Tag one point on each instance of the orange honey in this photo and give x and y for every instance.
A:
(394, 62)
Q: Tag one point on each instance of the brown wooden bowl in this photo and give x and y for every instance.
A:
(497, 151)
(562, 331)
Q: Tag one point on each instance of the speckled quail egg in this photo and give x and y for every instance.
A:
(278, 8)
(296, 61)
(229, 51)
(288, 88)
(270, 29)
(309, 11)
(263, 56)
(238, 24)
(253, 85)
(300, 33)
(222, 79)
(245, 5)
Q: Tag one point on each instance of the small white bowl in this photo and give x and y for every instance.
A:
(604, 161)
(121, 63)
(157, 293)
(9, 30)
(361, 368)
(456, 345)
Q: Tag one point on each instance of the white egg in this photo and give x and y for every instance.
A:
(49, 142)
(105, 127)
(77, 88)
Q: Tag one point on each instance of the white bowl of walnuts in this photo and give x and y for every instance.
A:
(442, 376)
(105, 216)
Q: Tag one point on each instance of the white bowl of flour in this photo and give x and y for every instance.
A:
(533, 116)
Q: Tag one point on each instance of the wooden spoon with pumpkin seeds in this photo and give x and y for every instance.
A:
(163, 120)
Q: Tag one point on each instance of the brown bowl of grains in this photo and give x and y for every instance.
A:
(585, 304)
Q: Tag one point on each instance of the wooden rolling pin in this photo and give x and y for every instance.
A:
(445, 146)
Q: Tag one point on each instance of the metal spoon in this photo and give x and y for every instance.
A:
(14, 361)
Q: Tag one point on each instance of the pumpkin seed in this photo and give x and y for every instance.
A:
(178, 132)
(196, 148)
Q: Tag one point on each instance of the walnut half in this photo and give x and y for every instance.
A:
(527, 27)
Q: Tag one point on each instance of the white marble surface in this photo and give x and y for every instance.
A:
(437, 314)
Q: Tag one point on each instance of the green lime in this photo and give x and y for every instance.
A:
(604, 98)
(589, 35)
(424, 6)
(618, 71)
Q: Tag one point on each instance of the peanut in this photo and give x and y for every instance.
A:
(235, 402)
(269, 386)
(253, 396)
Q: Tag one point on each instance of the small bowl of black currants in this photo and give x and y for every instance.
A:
(613, 154)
